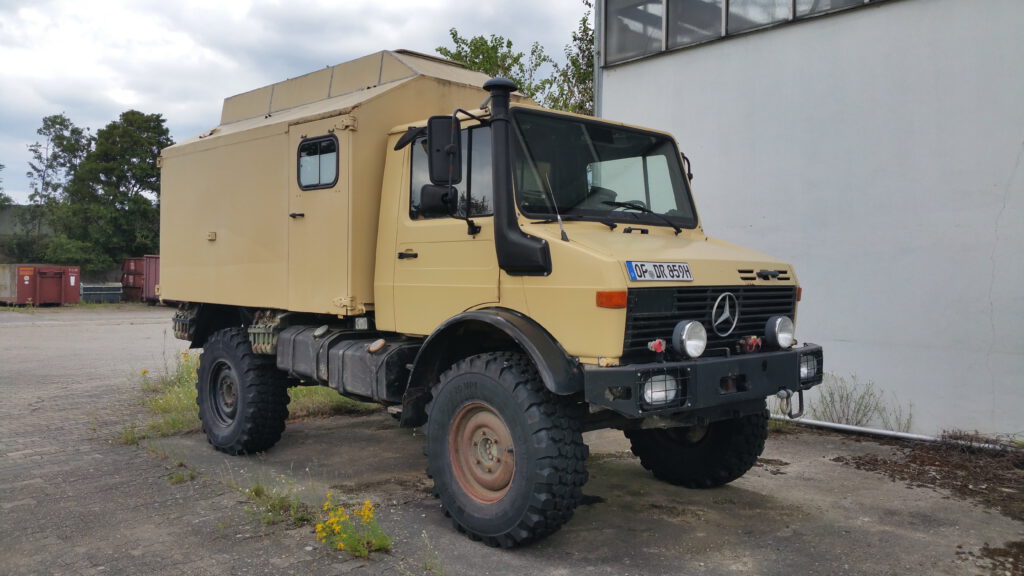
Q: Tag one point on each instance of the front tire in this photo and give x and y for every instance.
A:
(704, 457)
(243, 400)
(506, 456)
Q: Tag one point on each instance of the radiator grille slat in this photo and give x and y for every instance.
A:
(653, 312)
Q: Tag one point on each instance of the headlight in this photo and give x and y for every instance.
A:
(660, 389)
(779, 332)
(809, 367)
(690, 338)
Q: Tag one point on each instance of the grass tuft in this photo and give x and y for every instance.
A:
(273, 507)
(171, 400)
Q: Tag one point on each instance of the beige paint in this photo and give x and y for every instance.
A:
(238, 183)
(227, 236)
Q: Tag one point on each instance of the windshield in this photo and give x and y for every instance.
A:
(589, 170)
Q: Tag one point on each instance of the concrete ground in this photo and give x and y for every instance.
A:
(73, 500)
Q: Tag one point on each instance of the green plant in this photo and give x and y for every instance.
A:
(171, 399)
(131, 434)
(850, 401)
(358, 533)
(432, 564)
(272, 507)
(321, 402)
(181, 477)
(846, 401)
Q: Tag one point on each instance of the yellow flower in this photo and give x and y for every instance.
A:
(144, 372)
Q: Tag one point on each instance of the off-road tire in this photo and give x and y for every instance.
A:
(243, 399)
(725, 452)
(498, 398)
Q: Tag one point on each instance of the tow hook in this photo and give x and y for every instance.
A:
(786, 397)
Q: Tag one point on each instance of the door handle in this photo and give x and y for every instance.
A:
(407, 255)
(297, 215)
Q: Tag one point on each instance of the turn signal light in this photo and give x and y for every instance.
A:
(615, 299)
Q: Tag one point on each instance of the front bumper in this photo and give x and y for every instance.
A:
(709, 389)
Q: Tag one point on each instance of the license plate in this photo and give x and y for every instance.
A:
(658, 271)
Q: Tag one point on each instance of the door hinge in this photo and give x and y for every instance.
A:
(347, 122)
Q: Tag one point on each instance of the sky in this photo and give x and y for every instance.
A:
(94, 59)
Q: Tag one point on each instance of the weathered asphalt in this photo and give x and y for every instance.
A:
(75, 501)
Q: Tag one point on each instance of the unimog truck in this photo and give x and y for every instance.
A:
(503, 276)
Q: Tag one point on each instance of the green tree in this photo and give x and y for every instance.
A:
(109, 209)
(55, 159)
(495, 56)
(53, 163)
(5, 200)
(572, 85)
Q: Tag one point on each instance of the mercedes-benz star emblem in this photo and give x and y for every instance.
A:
(725, 314)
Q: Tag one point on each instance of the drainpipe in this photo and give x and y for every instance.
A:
(849, 428)
(519, 254)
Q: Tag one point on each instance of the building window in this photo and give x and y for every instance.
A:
(812, 7)
(637, 28)
(318, 163)
(750, 14)
(634, 28)
(693, 22)
(476, 154)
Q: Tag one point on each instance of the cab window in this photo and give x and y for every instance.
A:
(476, 155)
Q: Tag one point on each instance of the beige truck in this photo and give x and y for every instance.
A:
(505, 276)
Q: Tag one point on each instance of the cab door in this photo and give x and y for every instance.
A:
(440, 268)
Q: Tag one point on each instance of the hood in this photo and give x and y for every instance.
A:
(711, 261)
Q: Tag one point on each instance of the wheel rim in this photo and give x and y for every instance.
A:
(224, 390)
(482, 452)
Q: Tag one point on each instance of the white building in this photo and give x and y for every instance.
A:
(879, 147)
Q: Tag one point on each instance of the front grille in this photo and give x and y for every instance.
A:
(652, 313)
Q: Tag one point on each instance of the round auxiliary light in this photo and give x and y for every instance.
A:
(779, 332)
(690, 338)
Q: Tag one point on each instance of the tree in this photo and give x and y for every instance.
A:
(572, 87)
(5, 200)
(55, 159)
(495, 56)
(109, 210)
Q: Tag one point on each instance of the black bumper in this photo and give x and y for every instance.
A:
(709, 389)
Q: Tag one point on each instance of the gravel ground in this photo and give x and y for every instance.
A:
(73, 500)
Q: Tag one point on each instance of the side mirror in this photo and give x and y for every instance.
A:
(444, 146)
(438, 200)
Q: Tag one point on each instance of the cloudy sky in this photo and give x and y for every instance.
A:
(93, 60)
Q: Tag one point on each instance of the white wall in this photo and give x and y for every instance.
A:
(881, 151)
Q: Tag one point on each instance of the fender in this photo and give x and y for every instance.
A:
(487, 330)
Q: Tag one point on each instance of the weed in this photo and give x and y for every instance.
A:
(432, 564)
(171, 399)
(779, 423)
(850, 401)
(358, 533)
(272, 507)
(181, 477)
(131, 434)
(321, 402)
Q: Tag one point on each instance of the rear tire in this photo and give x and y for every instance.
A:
(702, 457)
(506, 455)
(243, 399)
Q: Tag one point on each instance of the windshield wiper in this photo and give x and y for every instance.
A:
(574, 218)
(645, 210)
